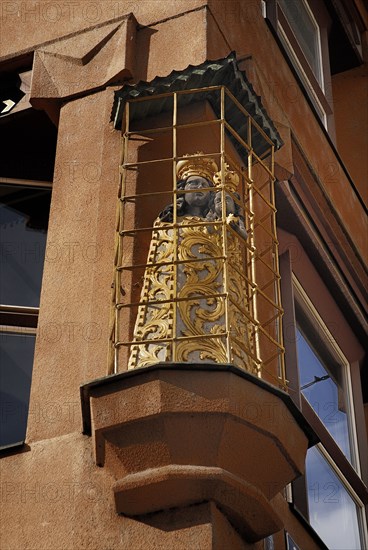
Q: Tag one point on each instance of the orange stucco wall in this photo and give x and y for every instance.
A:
(247, 33)
(350, 91)
(54, 496)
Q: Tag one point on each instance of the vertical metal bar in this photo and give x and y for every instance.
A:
(111, 368)
(272, 160)
(116, 338)
(253, 250)
(280, 337)
(175, 231)
(224, 229)
(253, 265)
(249, 132)
(123, 159)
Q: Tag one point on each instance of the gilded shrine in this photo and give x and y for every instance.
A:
(196, 276)
(194, 298)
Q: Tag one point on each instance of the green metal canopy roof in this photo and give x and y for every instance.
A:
(223, 72)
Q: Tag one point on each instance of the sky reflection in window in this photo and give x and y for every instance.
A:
(320, 387)
(332, 512)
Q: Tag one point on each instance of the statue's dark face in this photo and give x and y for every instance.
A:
(230, 204)
(198, 198)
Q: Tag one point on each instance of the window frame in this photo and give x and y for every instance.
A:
(300, 57)
(18, 331)
(359, 503)
(302, 300)
(18, 319)
(351, 478)
(318, 94)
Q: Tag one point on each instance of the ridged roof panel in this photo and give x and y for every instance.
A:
(222, 72)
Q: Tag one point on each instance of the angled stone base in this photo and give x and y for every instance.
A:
(176, 486)
(178, 435)
(201, 526)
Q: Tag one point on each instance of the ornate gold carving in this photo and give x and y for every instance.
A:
(194, 297)
(240, 328)
(192, 292)
(155, 319)
(231, 179)
(201, 313)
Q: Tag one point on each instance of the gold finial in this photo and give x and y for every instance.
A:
(231, 179)
(194, 165)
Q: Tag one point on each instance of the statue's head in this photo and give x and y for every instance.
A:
(230, 183)
(195, 173)
(196, 195)
(232, 207)
(197, 165)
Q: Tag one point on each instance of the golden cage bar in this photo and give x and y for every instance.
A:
(260, 270)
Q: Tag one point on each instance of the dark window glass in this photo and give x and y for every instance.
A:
(24, 213)
(305, 30)
(16, 360)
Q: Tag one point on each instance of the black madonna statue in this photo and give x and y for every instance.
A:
(196, 177)
(182, 315)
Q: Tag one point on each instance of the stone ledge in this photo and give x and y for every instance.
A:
(173, 486)
(177, 435)
(106, 384)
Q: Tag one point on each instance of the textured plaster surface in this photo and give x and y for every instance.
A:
(219, 409)
(351, 121)
(282, 96)
(197, 527)
(55, 497)
(184, 37)
(233, 448)
(72, 340)
(59, 500)
(84, 62)
(34, 22)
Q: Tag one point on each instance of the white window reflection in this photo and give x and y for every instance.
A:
(333, 513)
(323, 387)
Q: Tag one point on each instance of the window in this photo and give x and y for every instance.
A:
(16, 359)
(333, 512)
(334, 508)
(24, 218)
(324, 376)
(324, 355)
(27, 158)
(306, 31)
(24, 212)
(301, 28)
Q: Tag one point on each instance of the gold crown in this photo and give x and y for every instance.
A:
(231, 179)
(194, 165)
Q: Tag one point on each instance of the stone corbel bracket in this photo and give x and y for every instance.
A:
(82, 63)
(177, 435)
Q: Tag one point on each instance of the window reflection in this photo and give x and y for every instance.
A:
(24, 213)
(332, 512)
(306, 32)
(16, 360)
(324, 390)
